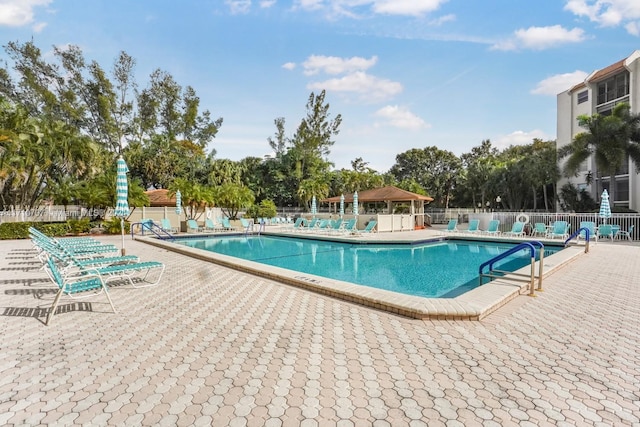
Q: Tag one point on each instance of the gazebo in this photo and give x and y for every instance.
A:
(382, 203)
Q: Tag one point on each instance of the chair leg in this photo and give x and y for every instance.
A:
(52, 310)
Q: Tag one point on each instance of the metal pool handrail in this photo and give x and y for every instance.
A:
(530, 277)
(586, 238)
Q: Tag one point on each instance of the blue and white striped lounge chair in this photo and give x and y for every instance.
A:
(85, 285)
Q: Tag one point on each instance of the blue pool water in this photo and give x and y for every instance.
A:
(442, 269)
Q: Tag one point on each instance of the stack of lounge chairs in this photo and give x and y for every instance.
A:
(81, 267)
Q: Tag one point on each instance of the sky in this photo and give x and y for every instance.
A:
(403, 74)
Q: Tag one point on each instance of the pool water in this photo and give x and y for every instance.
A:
(442, 269)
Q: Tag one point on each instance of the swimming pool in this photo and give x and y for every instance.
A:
(440, 269)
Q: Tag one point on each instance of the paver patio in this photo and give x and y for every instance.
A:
(213, 346)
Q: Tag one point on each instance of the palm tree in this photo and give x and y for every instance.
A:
(611, 139)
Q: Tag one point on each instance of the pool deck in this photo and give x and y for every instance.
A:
(212, 345)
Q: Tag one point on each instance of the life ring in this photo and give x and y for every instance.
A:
(523, 218)
(208, 213)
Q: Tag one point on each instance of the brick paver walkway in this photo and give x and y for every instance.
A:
(212, 346)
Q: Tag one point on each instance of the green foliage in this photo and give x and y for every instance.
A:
(20, 230)
(195, 197)
(79, 226)
(267, 209)
(112, 226)
(232, 198)
(574, 200)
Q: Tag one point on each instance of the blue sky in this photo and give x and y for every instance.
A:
(402, 73)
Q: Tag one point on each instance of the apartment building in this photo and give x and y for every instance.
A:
(599, 93)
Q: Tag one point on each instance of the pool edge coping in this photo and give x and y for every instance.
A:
(472, 305)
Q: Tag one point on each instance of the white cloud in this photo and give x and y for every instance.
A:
(608, 13)
(237, 7)
(401, 117)
(442, 20)
(265, 4)
(39, 26)
(633, 28)
(368, 88)
(289, 65)
(406, 7)
(16, 13)
(520, 137)
(559, 83)
(539, 38)
(335, 65)
(353, 8)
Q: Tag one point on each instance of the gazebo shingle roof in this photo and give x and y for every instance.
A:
(388, 193)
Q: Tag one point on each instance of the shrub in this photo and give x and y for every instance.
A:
(113, 226)
(79, 226)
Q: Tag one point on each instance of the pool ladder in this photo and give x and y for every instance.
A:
(520, 277)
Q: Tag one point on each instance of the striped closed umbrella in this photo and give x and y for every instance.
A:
(314, 208)
(605, 208)
(178, 203)
(122, 196)
(341, 205)
(355, 203)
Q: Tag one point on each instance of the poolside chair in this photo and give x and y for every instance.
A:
(539, 230)
(560, 229)
(298, 224)
(517, 230)
(473, 226)
(210, 225)
(628, 233)
(335, 226)
(605, 230)
(311, 225)
(226, 223)
(165, 224)
(78, 286)
(452, 226)
(371, 225)
(493, 229)
(591, 226)
(193, 226)
(247, 225)
(348, 226)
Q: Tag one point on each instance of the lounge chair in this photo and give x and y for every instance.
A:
(298, 225)
(348, 226)
(165, 224)
(371, 225)
(628, 233)
(335, 226)
(226, 223)
(78, 286)
(560, 229)
(605, 230)
(493, 229)
(311, 225)
(517, 230)
(539, 229)
(193, 226)
(591, 226)
(247, 225)
(452, 226)
(210, 225)
(473, 226)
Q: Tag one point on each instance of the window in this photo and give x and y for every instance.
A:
(613, 88)
(583, 96)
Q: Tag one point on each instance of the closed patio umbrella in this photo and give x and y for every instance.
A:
(605, 208)
(178, 203)
(314, 208)
(122, 196)
(341, 205)
(355, 203)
